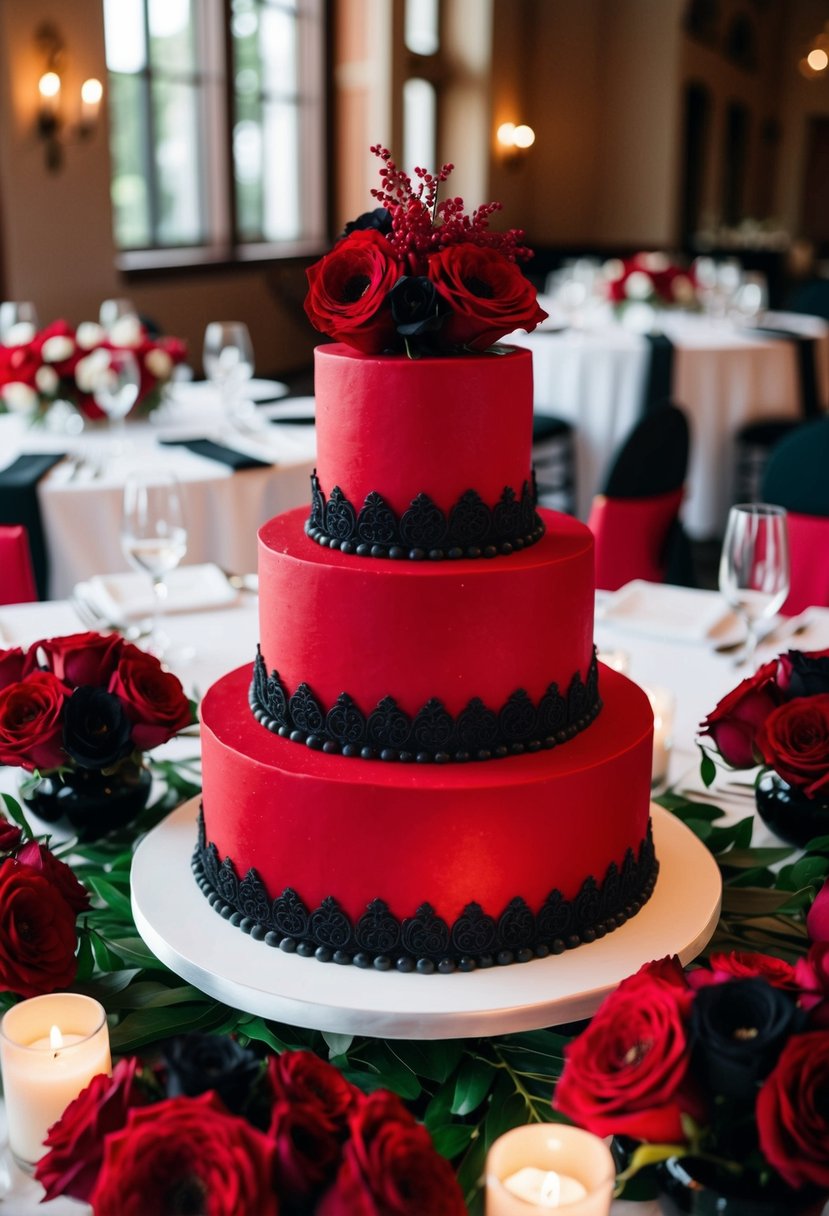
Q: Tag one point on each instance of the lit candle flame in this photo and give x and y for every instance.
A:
(55, 1038)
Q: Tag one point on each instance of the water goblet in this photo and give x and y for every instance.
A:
(754, 567)
(228, 364)
(154, 538)
(115, 391)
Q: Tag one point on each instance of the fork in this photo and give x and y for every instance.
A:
(93, 619)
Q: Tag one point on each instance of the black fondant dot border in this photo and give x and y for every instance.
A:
(425, 943)
(432, 735)
(471, 529)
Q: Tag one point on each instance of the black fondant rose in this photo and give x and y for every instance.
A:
(379, 218)
(416, 306)
(804, 674)
(200, 1062)
(96, 730)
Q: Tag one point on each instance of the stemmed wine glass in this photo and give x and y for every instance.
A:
(754, 566)
(116, 392)
(154, 537)
(228, 363)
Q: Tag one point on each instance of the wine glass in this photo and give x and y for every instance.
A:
(115, 391)
(754, 566)
(228, 364)
(154, 538)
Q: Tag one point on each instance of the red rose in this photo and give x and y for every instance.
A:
(817, 919)
(348, 291)
(154, 699)
(11, 666)
(794, 741)
(31, 722)
(743, 965)
(10, 836)
(37, 933)
(59, 874)
(391, 1168)
(487, 293)
(301, 1078)
(307, 1153)
(813, 981)
(627, 1073)
(76, 1141)
(793, 1114)
(734, 722)
(185, 1155)
(79, 658)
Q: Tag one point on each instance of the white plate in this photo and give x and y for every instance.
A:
(660, 610)
(294, 407)
(120, 596)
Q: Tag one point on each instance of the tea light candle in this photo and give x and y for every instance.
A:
(546, 1167)
(50, 1049)
(662, 704)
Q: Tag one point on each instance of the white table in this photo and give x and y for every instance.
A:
(723, 376)
(81, 507)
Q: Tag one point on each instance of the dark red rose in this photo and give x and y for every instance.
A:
(390, 1167)
(197, 1062)
(185, 1155)
(794, 741)
(11, 666)
(76, 1141)
(734, 722)
(817, 919)
(59, 874)
(302, 1078)
(803, 673)
(348, 291)
(154, 699)
(743, 965)
(37, 932)
(96, 730)
(627, 1073)
(31, 722)
(813, 979)
(10, 836)
(793, 1112)
(487, 294)
(79, 658)
(307, 1153)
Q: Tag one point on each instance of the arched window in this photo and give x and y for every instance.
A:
(696, 137)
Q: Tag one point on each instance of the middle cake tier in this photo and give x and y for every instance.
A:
(513, 636)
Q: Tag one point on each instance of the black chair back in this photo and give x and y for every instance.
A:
(797, 474)
(654, 457)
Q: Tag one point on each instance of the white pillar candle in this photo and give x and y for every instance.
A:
(662, 704)
(548, 1166)
(50, 1049)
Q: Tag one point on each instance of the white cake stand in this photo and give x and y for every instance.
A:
(179, 926)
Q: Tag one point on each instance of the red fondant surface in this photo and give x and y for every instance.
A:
(449, 834)
(434, 426)
(455, 630)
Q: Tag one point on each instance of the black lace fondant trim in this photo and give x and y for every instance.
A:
(433, 735)
(425, 942)
(471, 529)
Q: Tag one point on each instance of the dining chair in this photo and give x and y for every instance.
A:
(17, 580)
(554, 463)
(796, 479)
(635, 520)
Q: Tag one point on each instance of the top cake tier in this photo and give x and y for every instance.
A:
(431, 457)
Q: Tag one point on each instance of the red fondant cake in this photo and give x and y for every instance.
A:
(424, 768)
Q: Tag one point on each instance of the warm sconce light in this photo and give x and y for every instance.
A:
(513, 141)
(52, 127)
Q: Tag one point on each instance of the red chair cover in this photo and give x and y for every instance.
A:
(809, 552)
(630, 537)
(17, 580)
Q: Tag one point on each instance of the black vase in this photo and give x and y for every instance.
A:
(691, 1187)
(788, 812)
(90, 802)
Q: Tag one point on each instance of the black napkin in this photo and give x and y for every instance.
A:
(659, 377)
(294, 419)
(19, 505)
(806, 367)
(218, 451)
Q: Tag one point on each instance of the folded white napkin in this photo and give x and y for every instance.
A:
(660, 610)
(121, 596)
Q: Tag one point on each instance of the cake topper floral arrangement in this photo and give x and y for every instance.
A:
(421, 276)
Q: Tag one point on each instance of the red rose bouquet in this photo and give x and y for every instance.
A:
(289, 1136)
(60, 363)
(420, 275)
(650, 278)
(722, 1066)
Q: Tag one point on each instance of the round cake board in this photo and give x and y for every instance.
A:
(184, 932)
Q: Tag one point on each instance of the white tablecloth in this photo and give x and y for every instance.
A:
(81, 510)
(723, 377)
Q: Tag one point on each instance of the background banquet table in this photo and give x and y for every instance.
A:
(80, 503)
(724, 376)
(667, 649)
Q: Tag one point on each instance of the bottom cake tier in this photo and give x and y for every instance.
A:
(426, 867)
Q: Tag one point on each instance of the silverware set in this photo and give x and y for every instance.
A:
(91, 616)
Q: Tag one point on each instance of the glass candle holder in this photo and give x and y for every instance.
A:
(546, 1167)
(663, 705)
(50, 1049)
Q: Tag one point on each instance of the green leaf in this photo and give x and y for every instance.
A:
(435, 1060)
(15, 812)
(105, 959)
(809, 871)
(114, 899)
(151, 1025)
(452, 1139)
(86, 963)
(134, 952)
(746, 858)
(507, 1109)
(707, 769)
(258, 1029)
(474, 1081)
(338, 1044)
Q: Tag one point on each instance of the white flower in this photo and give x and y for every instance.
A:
(91, 372)
(654, 262)
(638, 285)
(19, 334)
(19, 398)
(57, 348)
(613, 269)
(47, 380)
(682, 289)
(158, 363)
(89, 334)
(126, 331)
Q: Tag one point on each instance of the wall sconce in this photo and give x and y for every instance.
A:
(52, 127)
(514, 141)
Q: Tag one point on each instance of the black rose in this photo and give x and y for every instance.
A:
(96, 730)
(809, 676)
(738, 1030)
(199, 1062)
(416, 306)
(379, 218)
